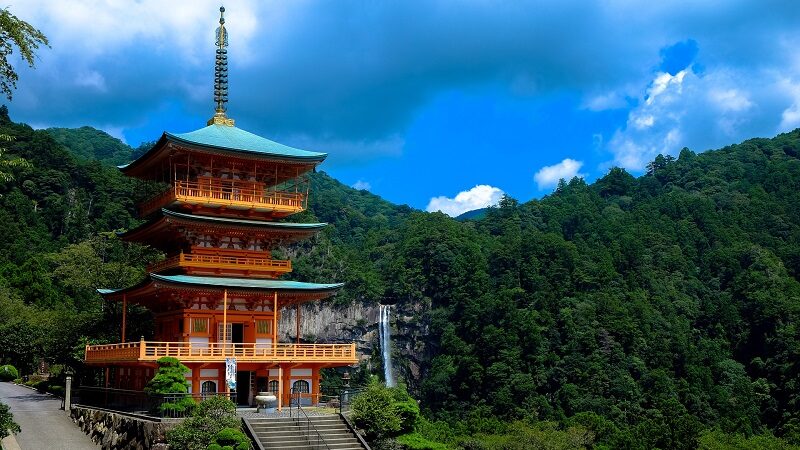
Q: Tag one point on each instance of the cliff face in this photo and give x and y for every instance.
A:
(323, 322)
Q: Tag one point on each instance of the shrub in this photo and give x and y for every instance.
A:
(7, 424)
(199, 431)
(375, 412)
(231, 438)
(169, 379)
(56, 390)
(407, 408)
(8, 372)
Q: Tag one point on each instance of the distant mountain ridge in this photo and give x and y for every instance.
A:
(475, 214)
(90, 143)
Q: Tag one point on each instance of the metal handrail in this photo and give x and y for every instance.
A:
(309, 425)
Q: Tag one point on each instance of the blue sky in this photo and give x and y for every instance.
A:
(442, 105)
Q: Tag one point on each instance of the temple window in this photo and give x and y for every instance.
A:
(200, 325)
(264, 327)
(301, 387)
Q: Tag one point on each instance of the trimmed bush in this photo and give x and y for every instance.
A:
(8, 372)
(231, 438)
(209, 418)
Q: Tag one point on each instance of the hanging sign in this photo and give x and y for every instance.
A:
(230, 373)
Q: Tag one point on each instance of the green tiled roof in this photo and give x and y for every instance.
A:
(226, 282)
(246, 283)
(231, 138)
(233, 221)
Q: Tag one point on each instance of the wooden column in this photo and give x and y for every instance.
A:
(225, 322)
(124, 315)
(279, 394)
(315, 393)
(196, 379)
(275, 321)
(225, 339)
(287, 384)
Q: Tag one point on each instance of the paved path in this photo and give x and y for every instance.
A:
(44, 425)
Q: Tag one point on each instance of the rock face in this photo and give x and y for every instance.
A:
(114, 431)
(324, 322)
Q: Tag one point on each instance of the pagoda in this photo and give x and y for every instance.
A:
(218, 296)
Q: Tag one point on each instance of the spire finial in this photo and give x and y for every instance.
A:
(221, 74)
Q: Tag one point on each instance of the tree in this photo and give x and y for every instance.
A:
(15, 32)
(8, 164)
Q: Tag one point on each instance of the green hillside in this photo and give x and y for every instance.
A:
(652, 312)
(90, 143)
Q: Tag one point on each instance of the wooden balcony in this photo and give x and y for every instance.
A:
(235, 196)
(143, 351)
(221, 264)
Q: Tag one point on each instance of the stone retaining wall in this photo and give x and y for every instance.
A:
(117, 431)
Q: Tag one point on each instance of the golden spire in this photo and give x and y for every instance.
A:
(221, 74)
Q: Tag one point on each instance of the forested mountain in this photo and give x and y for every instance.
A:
(90, 143)
(648, 310)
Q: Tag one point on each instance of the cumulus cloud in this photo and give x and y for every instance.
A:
(478, 197)
(362, 185)
(548, 176)
(703, 110)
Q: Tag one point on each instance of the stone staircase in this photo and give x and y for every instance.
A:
(290, 433)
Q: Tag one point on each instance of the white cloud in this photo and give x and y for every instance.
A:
(718, 107)
(362, 185)
(92, 79)
(604, 102)
(478, 197)
(548, 176)
(790, 117)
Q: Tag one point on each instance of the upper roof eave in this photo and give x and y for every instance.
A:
(230, 140)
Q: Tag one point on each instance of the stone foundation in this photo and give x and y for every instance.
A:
(117, 431)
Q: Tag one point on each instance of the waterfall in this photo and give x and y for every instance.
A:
(386, 343)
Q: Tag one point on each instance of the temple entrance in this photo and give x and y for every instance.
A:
(242, 388)
(237, 333)
(208, 388)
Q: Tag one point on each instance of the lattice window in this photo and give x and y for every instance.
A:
(263, 327)
(199, 325)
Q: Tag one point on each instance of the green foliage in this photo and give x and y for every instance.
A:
(15, 32)
(209, 418)
(375, 412)
(8, 372)
(7, 424)
(170, 377)
(523, 436)
(415, 441)
(231, 437)
(717, 440)
(406, 407)
(90, 143)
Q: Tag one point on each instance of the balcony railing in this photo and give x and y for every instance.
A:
(234, 196)
(238, 263)
(217, 352)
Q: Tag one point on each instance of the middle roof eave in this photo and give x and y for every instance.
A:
(289, 227)
(221, 283)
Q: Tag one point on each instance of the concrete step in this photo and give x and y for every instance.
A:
(296, 434)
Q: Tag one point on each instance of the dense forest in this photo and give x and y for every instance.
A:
(650, 312)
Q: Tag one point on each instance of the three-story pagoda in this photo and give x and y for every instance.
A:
(217, 294)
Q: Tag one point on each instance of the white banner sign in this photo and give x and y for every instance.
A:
(230, 373)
